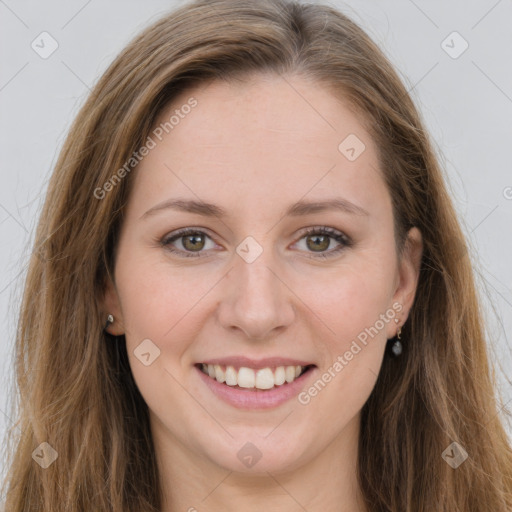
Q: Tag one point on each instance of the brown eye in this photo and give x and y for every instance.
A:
(193, 242)
(318, 242)
(188, 243)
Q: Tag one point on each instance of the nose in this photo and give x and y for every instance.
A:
(256, 299)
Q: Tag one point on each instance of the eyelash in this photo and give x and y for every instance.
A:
(339, 237)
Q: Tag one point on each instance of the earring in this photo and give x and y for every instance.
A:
(394, 344)
(110, 320)
(113, 346)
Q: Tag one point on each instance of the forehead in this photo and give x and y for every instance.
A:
(269, 137)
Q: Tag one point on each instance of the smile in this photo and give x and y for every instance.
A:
(249, 378)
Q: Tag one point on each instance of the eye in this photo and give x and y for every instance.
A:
(319, 239)
(191, 242)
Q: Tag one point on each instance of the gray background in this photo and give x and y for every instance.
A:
(466, 103)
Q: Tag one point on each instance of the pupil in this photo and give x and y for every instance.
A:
(195, 244)
(322, 245)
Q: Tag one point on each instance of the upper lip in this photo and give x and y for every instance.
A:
(268, 362)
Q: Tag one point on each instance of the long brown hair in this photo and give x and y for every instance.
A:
(76, 391)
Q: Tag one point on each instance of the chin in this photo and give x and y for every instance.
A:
(257, 455)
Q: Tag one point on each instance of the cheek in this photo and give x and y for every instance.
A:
(353, 304)
(158, 305)
(156, 301)
(352, 299)
(350, 306)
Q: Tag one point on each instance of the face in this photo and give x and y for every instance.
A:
(288, 259)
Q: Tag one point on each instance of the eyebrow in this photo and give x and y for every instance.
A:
(300, 208)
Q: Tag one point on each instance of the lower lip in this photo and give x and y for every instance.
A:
(256, 399)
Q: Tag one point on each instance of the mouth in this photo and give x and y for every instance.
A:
(254, 379)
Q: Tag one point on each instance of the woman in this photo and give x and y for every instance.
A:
(249, 287)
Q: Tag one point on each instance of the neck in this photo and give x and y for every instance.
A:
(193, 483)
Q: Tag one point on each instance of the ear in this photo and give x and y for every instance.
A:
(112, 306)
(408, 275)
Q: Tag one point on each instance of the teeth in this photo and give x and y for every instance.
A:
(246, 378)
(263, 378)
(231, 376)
(279, 376)
(220, 374)
(289, 373)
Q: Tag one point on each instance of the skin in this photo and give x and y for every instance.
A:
(254, 148)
